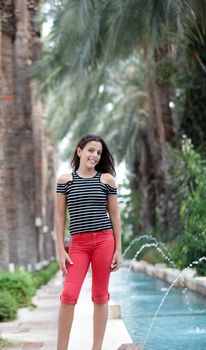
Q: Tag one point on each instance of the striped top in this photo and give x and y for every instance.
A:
(87, 203)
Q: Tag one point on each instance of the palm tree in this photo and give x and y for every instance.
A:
(105, 30)
(23, 167)
(117, 109)
(193, 77)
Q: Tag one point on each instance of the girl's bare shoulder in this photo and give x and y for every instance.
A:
(64, 178)
(108, 179)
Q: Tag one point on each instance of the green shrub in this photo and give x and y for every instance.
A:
(17, 289)
(191, 173)
(8, 306)
(44, 275)
(20, 286)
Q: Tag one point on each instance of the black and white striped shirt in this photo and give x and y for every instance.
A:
(87, 203)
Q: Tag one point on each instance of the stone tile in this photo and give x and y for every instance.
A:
(130, 347)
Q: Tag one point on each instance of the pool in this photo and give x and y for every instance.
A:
(181, 322)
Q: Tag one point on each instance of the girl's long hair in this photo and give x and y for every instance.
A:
(106, 163)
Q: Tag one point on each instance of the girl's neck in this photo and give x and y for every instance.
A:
(84, 172)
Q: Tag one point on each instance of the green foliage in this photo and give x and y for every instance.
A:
(96, 33)
(193, 28)
(130, 219)
(17, 288)
(165, 69)
(191, 77)
(193, 116)
(191, 174)
(102, 30)
(110, 102)
(8, 308)
(20, 286)
(43, 276)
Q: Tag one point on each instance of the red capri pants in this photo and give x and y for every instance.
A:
(96, 248)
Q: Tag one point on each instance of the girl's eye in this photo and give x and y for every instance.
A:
(92, 150)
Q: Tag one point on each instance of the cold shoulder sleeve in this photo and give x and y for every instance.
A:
(111, 190)
(60, 188)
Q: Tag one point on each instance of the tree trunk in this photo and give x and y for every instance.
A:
(143, 182)
(24, 178)
(9, 144)
(49, 242)
(43, 151)
(162, 139)
(4, 240)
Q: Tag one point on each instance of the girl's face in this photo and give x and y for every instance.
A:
(91, 153)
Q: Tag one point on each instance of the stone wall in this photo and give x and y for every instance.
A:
(180, 279)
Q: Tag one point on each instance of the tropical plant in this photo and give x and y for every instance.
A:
(101, 32)
(98, 32)
(192, 75)
(190, 171)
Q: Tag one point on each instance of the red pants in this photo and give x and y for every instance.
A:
(97, 248)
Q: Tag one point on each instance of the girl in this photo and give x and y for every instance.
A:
(89, 193)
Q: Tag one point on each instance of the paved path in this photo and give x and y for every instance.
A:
(37, 328)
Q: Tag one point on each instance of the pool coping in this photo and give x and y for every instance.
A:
(181, 278)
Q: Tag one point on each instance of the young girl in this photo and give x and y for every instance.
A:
(90, 195)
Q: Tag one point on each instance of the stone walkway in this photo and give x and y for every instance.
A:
(37, 328)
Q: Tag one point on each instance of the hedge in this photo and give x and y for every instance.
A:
(17, 289)
(8, 306)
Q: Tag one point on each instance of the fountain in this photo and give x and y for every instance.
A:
(178, 280)
(166, 294)
(147, 237)
(156, 244)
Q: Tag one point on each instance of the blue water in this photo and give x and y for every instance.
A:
(181, 322)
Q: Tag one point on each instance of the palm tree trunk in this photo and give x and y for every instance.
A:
(44, 183)
(18, 159)
(4, 240)
(49, 242)
(23, 167)
(162, 139)
(143, 183)
(9, 137)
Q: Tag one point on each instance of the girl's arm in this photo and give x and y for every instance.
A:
(114, 215)
(113, 211)
(60, 220)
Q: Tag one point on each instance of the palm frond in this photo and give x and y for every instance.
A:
(192, 28)
(86, 110)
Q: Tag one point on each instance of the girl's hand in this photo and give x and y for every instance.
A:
(116, 261)
(63, 257)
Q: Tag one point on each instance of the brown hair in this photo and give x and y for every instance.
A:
(106, 163)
